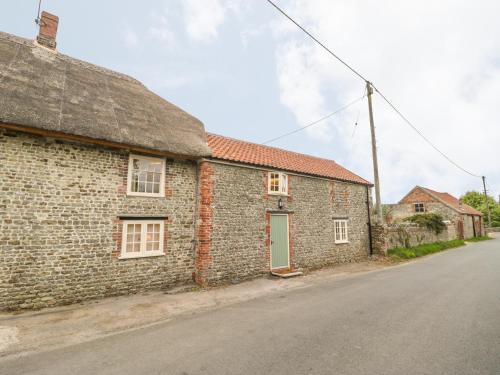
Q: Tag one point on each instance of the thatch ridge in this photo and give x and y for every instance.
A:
(48, 90)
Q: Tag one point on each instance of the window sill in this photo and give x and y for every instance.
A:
(341, 242)
(147, 195)
(122, 257)
(278, 194)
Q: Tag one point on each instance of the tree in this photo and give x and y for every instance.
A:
(477, 200)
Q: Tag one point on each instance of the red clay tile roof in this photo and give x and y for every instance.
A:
(251, 153)
(454, 202)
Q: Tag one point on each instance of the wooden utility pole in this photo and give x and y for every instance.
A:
(378, 205)
(487, 203)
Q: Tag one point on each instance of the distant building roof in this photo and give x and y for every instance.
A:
(43, 89)
(454, 202)
(250, 153)
(449, 200)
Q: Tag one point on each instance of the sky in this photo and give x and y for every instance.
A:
(248, 73)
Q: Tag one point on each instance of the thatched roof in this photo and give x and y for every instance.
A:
(47, 90)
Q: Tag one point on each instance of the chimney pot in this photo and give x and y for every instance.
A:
(48, 30)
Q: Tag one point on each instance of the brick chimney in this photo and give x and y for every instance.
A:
(48, 30)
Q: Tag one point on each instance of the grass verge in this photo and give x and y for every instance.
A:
(421, 250)
(477, 239)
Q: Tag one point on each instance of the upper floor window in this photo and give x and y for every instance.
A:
(146, 176)
(278, 183)
(340, 227)
(419, 207)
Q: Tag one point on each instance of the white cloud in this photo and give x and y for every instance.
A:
(203, 18)
(161, 31)
(130, 38)
(434, 60)
(248, 34)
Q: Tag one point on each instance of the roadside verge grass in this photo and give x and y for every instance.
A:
(421, 250)
(477, 239)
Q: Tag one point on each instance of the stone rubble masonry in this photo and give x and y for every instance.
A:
(413, 235)
(60, 231)
(61, 218)
(385, 237)
(379, 239)
(241, 210)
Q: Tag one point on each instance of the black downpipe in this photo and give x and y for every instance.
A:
(369, 220)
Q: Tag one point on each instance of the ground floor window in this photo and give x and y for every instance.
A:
(341, 235)
(142, 238)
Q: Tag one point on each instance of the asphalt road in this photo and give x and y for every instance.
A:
(438, 315)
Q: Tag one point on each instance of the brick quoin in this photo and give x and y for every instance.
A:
(205, 226)
(117, 237)
(289, 199)
(331, 191)
(291, 252)
(123, 173)
(268, 238)
(265, 182)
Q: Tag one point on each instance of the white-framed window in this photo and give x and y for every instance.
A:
(146, 176)
(419, 207)
(341, 235)
(142, 238)
(278, 183)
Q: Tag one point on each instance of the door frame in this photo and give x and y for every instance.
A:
(271, 242)
(461, 229)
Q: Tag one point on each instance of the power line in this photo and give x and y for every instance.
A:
(317, 41)
(423, 136)
(378, 91)
(315, 122)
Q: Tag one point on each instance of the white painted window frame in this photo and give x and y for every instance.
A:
(415, 207)
(129, 176)
(340, 222)
(143, 253)
(283, 183)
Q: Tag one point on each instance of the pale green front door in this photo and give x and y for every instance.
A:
(279, 241)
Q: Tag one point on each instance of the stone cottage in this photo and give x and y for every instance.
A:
(108, 189)
(263, 208)
(98, 179)
(467, 220)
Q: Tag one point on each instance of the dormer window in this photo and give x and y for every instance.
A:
(278, 183)
(419, 207)
(146, 176)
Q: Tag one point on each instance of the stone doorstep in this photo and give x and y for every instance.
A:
(286, 273)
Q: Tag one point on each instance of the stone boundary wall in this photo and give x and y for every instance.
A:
(379, 239)
(407, 235)
(414, 235)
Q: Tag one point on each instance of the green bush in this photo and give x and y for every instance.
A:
(421, 250)
(477, 239)
(432, 222)
(478, 201)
